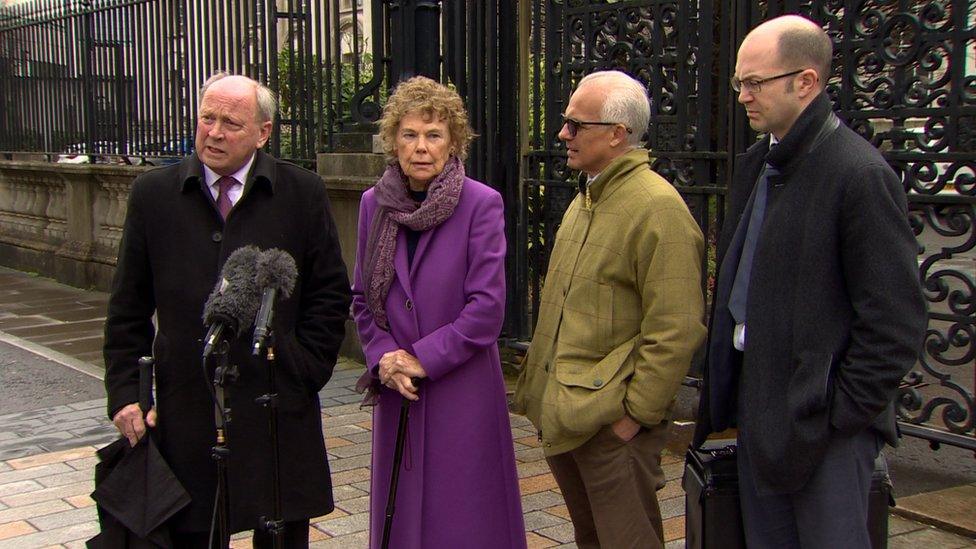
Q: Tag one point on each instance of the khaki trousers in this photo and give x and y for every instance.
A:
(610, 488)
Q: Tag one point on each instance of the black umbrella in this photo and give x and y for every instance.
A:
(135, 489)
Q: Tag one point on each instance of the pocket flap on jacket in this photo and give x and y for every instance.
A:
(809, 389)
(597, 376)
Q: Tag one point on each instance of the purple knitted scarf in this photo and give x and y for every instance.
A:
(396, 208)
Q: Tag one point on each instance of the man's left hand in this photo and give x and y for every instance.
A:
(625, 428)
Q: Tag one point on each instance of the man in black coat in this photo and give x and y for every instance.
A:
(807, 349)
(182, 223)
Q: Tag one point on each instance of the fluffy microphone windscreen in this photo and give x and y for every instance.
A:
(236, 297)
(277, 269)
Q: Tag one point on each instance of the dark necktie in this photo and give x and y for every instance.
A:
(224, 204)
(740, 287)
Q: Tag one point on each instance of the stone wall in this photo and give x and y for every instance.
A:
(64, 221)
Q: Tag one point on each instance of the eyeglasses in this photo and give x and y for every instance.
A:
(755, 85)
(576, 125)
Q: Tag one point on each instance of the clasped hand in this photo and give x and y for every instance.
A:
(396, 370)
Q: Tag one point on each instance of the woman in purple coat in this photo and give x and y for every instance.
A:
(429, 299)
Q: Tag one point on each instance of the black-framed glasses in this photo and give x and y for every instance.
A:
(576, 125)
(754, 85)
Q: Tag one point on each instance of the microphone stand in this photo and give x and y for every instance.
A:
(274, 526)
(225, 374)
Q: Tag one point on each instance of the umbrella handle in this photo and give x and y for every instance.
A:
(145, 384)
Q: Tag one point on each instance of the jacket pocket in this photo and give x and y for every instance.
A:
(589, 397)
(810, 388)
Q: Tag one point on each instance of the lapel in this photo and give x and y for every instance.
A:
(421, 247)
(731, 260)
(192, 180)
(751, 165)
(400, 262)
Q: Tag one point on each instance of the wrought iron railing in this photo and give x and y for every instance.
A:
(118, 79)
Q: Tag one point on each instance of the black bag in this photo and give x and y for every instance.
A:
(712, 516)
(711, 484)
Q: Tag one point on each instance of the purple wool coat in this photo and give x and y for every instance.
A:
(458, 485)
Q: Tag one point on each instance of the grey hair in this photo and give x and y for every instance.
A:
(626, 102)
(266, 100)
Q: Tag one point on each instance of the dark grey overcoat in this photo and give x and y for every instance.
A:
(173, 247)
(835, 313)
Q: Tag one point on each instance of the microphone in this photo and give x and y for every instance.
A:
(234, 300)
(276, 274)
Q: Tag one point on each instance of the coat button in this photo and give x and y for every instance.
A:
(217, 236)
(597, 382)
(409, 305)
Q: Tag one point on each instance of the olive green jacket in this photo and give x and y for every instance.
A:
(621, 310)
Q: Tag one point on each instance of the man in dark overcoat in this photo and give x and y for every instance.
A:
(182, 223)
(818, 308)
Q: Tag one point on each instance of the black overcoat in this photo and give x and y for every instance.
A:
(836, 315)
(173, 247)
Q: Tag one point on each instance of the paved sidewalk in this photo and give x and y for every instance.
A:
(47, 456)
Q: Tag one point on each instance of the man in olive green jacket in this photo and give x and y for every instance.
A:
(620, 318)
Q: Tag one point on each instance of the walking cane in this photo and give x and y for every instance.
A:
(397, 458)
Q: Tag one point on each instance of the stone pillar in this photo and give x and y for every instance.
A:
(346, 177)
(72, 257)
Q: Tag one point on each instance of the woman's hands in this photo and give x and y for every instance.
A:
(397, 370)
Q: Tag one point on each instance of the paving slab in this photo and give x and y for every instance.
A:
(354, 505)
(64, 518)
(929, 537)
(75, 532)
(348, 524)
(40, 509)
(14, 475)
(23, 322)
(899, 525)
(359, 539)
(85, 326)
(951, 509)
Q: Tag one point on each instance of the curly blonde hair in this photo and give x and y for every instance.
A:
(427, 97)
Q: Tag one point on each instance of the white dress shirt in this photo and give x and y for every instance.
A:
(236, 190)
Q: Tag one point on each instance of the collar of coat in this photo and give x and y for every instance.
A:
(789, 151)
(610, 178)
(262, 173)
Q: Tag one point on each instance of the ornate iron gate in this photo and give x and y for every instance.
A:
(904, 78)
